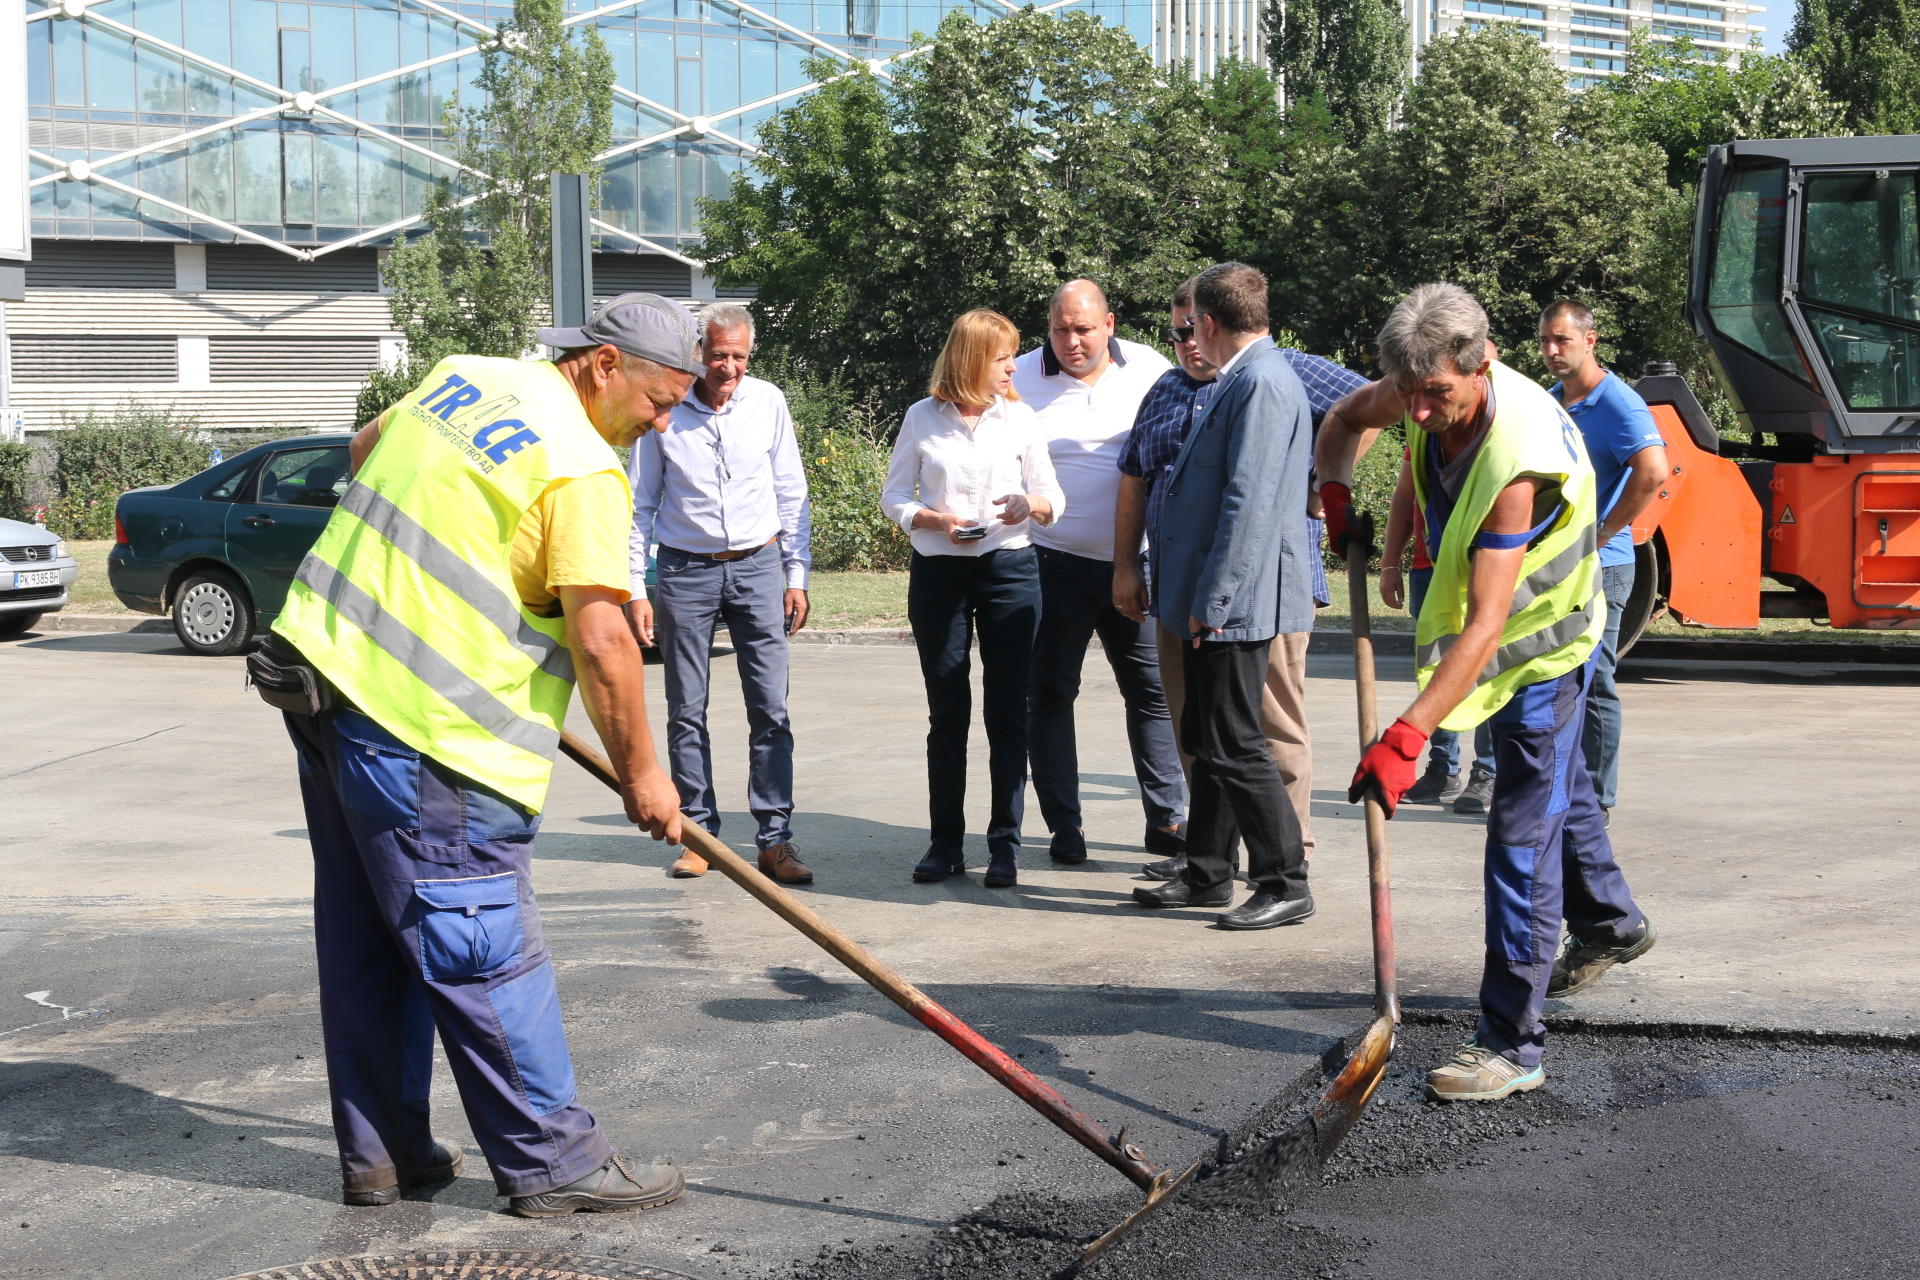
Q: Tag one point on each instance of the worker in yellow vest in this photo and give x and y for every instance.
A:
(474, 571)
(1506, 634)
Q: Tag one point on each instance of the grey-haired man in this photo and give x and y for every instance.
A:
(720, 497)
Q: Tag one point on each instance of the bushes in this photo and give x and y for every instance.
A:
(103, 453)
(845, 451)
(16, 463)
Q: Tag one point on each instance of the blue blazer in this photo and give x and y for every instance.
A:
(1231, 548)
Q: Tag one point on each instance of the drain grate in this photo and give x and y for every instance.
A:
(468, 1264)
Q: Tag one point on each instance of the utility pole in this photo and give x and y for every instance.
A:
(572, 249)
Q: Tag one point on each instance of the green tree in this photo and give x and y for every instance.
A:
(1866, 55)
(478, 281)
(1008, 158)
(1350, 54)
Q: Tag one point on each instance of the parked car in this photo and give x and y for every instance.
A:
(219, 551)
(36, 573)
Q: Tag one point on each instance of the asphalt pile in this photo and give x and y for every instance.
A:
(1243, 1217)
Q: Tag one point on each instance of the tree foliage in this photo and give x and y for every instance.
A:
(1351, 55)
(478, 281)
(1009, 158)
(1866, 55)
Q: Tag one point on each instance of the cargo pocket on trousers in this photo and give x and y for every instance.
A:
(379, 774)
(469, 928)
(529, 1012)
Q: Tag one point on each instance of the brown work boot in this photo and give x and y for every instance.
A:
(782, 865)
(688, 865)
(447, 1159)
(615, 1187)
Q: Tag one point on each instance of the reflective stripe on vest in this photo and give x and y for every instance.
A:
(1557, 613)
(407, 601)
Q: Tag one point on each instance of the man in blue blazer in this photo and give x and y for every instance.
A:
(1230, 571)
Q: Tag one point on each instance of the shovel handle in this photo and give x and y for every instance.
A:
(983, 1053)
(1386, 996)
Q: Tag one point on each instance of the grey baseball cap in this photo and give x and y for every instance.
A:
(640, 324)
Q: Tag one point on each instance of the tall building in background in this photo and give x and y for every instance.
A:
(1590, 39)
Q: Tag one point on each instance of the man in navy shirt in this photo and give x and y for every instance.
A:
(1630, 461)
(1159, 430)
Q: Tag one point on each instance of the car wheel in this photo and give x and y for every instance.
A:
(212, 614)
(13, 624)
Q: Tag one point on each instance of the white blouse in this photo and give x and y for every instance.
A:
(941, 465)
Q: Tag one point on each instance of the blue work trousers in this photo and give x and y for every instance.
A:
(1076, 603)
(1444, 747)
(948, 599)
(424, 917)
(692, 595)
(1548, 859)
(1600, 740)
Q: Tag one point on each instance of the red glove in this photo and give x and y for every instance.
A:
(1389, 764)
(1337, 499)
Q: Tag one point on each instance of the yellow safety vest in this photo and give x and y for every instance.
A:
(407, 601)
(1558, 611)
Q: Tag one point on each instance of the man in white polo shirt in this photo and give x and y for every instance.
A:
(1086, 385)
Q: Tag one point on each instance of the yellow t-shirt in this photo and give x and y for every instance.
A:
(574, 536)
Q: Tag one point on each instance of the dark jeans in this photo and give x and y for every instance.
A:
(1445, 746)
(424, 917)
(1600, 737)
(692, 595)
(1076, 594)
(948, 599)
(1235, 790)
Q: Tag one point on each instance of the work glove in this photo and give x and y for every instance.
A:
(1337, 500)
(1389, 764)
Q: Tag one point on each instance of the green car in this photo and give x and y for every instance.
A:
(219, 551)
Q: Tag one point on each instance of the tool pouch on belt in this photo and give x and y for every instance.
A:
(284, 680)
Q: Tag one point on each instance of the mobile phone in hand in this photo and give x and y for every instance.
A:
(972, 533)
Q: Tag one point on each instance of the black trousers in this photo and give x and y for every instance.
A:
(1235, 788)
(948, 598)
(1076, 595)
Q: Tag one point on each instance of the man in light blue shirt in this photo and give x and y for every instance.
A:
(721, 498)
(1630, 461)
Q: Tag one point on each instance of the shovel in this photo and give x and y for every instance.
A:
(1129, 1159)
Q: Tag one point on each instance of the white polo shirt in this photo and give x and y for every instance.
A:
(1085, 428)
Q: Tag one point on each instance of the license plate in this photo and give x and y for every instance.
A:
(41, 578)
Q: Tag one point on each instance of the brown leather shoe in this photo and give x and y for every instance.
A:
(688, 865)
(782, 865)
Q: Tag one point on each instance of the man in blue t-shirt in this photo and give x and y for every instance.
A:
(1630, 461)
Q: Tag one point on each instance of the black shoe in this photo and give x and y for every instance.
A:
(1003, 869)
(1173, 842)
(445, 1168)
(1264, 911)
(615, 1187)
(938, 865)
(1178, 893)
(1606, 817)
(1166, 869)
(1068, 847)
(1477, 794)
(1581, 964)
(1436, 786)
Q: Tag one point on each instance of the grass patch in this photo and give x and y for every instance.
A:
(846, 600)
(91, 594)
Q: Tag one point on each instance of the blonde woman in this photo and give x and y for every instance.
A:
(970, 476)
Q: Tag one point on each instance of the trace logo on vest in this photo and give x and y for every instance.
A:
(459, 404)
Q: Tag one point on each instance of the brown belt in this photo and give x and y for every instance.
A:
(725, 557)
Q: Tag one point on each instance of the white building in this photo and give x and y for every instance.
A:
(1589, 37)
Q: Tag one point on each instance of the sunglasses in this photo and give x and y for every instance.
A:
(1182, 334)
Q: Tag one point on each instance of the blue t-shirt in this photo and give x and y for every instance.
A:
(1617, 424)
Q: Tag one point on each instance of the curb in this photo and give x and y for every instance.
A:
(1386, 643)
(139, 622)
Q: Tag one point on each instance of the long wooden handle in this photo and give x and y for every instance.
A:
(1386, 996)
(983, 1053)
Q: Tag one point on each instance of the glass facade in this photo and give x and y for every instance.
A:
(192, 104)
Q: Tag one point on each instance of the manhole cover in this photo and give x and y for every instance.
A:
(468, 1264)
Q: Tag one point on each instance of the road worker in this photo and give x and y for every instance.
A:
(1507, 632)
(474, 570)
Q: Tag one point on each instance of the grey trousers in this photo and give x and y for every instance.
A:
(692, 595)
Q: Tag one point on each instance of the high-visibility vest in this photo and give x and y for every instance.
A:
(1558, 611)
(407, 601)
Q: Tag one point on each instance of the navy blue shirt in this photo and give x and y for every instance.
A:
(1617, 424)
(1161, 425)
